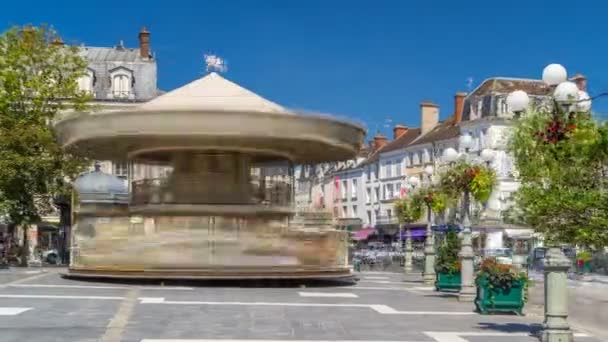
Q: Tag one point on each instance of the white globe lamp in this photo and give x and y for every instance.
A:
(414, 181)
(487, 155)
(566, 93)
(583, 101)
(428, 170)
(554, 74)
(450, 155)
(466, 141)
(518, 101)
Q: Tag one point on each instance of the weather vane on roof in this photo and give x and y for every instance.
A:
(215, 63)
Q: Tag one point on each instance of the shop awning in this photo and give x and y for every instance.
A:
(522, 234)
(363, 234)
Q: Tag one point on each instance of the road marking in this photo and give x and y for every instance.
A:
(387, 310)
(12, 311)
(59, 297)
(378, 288)
(120, 320)
(199, 340)
(459, 336)
(405, 282)
(328, 294)
(379, 308)
(101, 287)
(375, 278)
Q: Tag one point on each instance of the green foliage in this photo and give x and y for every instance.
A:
(448, 260)
(478, 180)
(409, 209)
(562, 161)
(38, 80)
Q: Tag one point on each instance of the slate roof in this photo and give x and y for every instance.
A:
(445, 130)
(401, 142)
(505, 85)
(110, 54)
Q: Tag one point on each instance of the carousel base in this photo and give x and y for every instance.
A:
(285, 273)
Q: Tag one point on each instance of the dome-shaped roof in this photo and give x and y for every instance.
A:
(100, 186)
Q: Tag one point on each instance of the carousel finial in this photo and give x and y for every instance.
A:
(215, 63)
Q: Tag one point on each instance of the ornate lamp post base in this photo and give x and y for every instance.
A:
(555, 326)
(467, 290)
(409, 250)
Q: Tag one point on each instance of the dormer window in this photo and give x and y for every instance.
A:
(86, 82)
(121, 83)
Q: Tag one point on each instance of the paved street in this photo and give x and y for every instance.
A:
(41, 306)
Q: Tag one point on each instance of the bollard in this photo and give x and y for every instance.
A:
(555, 326)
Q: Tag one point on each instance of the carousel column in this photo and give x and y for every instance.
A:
(467, 290)
(429, 250)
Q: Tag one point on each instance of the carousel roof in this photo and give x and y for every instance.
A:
(212, 92)
(210, 113)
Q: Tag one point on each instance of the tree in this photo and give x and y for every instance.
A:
(38, 81)
(562, 160)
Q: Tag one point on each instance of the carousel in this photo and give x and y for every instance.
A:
(224, 205)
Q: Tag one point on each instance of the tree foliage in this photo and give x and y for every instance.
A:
(562, 160)
(38, 80)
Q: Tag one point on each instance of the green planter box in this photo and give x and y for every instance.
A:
(498, 300)
(447, 281)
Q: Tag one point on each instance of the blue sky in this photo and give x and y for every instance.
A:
(368, 60)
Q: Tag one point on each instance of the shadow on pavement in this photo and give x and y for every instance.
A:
(243, 283)
(533, 329)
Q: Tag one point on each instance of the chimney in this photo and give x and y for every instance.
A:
(581, 81)
(379, 141)
(399, 130)
(458, 106)
(144, 43)
(429, 116)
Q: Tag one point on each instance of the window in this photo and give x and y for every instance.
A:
(389, 213)
(415, 158)
(389, 191)
(369, 217)
(407, 160)
(369, 173)
(122, 82)
(354, 211)
(368, 195)
(354, 189)
(87, 81)
(397, 190)
(377, 194)
(388, 169)
(426, 157)
(344, 188)
(344, 213)
(398, 167)
(121, 170)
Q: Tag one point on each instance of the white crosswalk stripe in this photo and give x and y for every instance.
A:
(12, 311)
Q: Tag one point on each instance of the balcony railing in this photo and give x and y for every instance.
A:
(386, 220)
(160, 191)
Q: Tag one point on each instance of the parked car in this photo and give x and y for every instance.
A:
(50, 256)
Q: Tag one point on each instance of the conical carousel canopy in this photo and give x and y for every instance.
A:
(214, 114)
(213, 93)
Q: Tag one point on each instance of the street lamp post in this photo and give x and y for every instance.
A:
(467, 289)
(569, 98)
(429, 242)
(409, 250)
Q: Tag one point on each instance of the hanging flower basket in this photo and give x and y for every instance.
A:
(478, 180)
